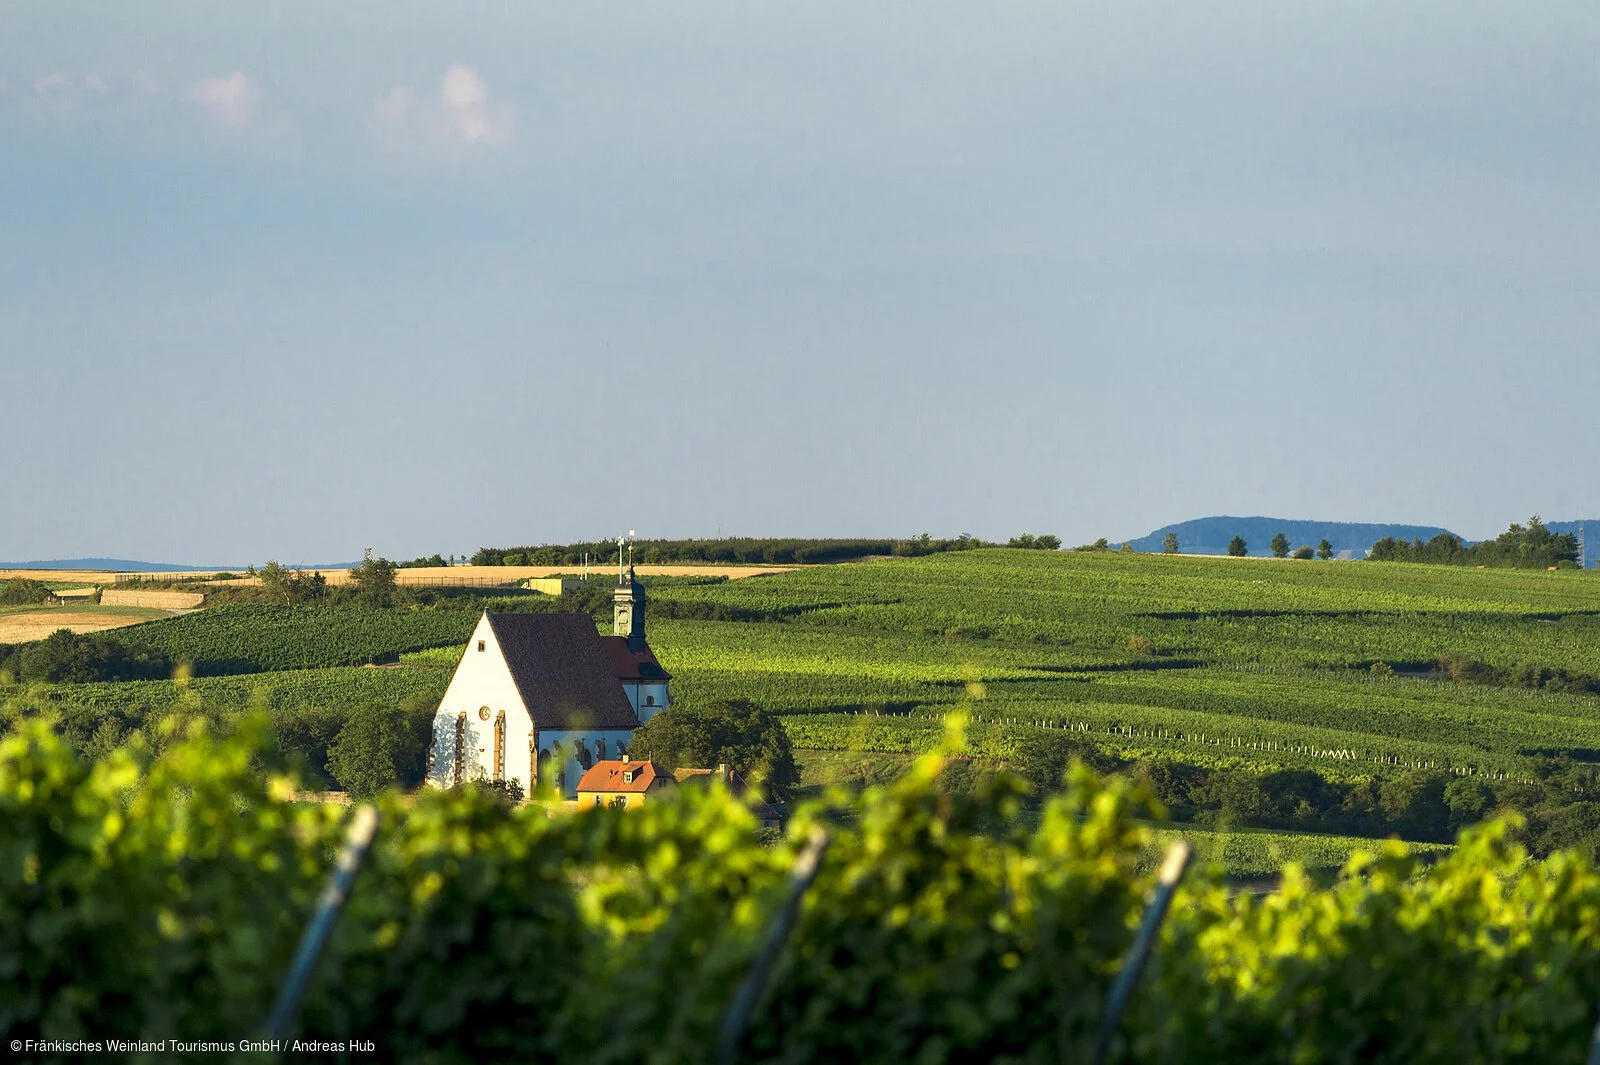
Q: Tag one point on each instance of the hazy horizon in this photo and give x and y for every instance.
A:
(293, 281)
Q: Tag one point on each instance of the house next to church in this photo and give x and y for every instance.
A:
(540, 698)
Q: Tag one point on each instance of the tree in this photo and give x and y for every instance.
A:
(1324, 549)
(1280, 546)
(1304, 552)
(733, 732)
(67, 657)
(293, 585)
(365, 758)
(1237, 547)
(1043, 756)
(375, 577)
(273, 577)
(1169, 544)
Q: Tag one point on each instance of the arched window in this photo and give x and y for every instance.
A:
(500, 745)
(461, 748)
(649, 700)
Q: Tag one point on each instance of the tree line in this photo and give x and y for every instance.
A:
(1530, 546)
(745, 549)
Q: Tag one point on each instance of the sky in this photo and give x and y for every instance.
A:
(287, 281)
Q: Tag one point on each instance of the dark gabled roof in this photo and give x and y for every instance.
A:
(705, 777)
(630, 664)
(562, 671)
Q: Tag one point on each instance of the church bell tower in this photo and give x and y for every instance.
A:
(627, 603)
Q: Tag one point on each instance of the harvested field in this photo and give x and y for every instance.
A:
(35, 623)
(59, 576)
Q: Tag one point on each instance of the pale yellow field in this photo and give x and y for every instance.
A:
(24, 626)
(89, 576)
(58, 576)
(442, 575)
(488, 575)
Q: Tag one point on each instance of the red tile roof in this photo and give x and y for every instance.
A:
(631, 664)
(608, 776)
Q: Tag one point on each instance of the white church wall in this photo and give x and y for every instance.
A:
(481, 680)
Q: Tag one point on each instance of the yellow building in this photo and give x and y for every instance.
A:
(623, 782)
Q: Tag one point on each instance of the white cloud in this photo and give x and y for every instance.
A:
(51, 82)
(469, 111)
(231, 101)
(465, 114)
(95, 83)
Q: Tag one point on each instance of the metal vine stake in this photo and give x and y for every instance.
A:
(1172, 871)
(363, 827)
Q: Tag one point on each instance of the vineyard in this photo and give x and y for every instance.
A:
(286, 690)
(157, 896)
(1258, 665)
(1359, 672)
(258, 639)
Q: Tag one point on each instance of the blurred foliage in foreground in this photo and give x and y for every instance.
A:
(163, 897)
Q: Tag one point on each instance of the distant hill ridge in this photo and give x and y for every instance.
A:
(124, 565)
(1210, 536)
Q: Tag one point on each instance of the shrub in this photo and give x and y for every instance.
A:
(23, 592)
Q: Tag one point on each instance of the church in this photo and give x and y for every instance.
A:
(539, 698)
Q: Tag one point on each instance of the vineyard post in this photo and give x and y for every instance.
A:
(1172, 871)
(362, 828)
(806, 867)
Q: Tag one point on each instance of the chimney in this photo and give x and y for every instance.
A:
(624, 758)
(723, 774)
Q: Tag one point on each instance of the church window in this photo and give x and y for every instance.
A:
(481, 645)
(461, 746)
(500, 746)
(649, 700)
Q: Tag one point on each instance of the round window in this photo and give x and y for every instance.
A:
(483, 713)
